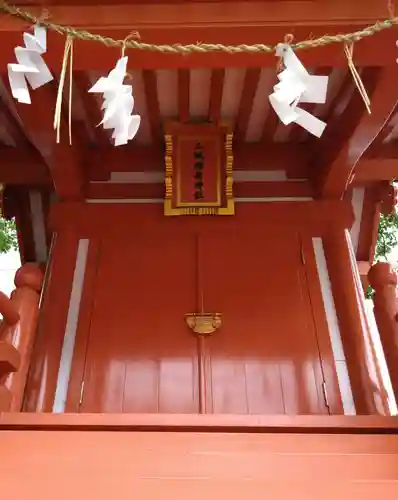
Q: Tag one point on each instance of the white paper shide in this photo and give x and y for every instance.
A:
(30, 67)
(118, 104)
(296, 85)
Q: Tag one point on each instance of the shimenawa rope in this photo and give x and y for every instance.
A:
(177, 48)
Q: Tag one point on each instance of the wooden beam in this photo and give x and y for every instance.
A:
(370, 219)
(152, 104)
(183, 94)
(272, 157)
(270, 126)
(13, 125)
(363, 267)
(388, 149)
(345, 141)
(252, 77)
(210, 22)
(376, 169)
(216, 91)
(318, 425)
(18, 167)
(91, 107)
(61, 159)
(235, 13)
(278, 189)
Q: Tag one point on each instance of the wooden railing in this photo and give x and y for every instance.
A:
(17, 332)
(383, 280)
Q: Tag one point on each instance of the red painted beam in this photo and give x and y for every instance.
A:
(62, 160)
(369, 224)
(91, 108)
(278, 189)
(211, 22)
(129, 422)
(19, 167)
(346, 141)
(152, 105)
(250, 84)
(183, 95)
(293, 159)
(216, 92)
(376, 169)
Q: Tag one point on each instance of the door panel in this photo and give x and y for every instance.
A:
(264, 358)
(140, 357)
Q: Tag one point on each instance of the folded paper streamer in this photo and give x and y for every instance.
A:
(31, 67)
(296, 85)
(118, 104)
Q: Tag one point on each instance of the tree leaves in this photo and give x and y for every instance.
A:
(387, 236)
(8, 235)
(387, 241)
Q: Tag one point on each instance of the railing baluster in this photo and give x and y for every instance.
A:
(384, 281)
(17, 335)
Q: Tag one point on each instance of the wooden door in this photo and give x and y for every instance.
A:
(265, 358)
(140, 357)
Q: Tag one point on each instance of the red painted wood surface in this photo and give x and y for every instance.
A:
(367, 390)
(212, 22)
(265, 357)
(81, 463)
(290, 424)
(113, 222)
(17, 334)
(142, 357)
(383, 279)
(44, 367)
(28, 283)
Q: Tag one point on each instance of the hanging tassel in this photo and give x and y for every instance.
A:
(68, 53)
(349, 52)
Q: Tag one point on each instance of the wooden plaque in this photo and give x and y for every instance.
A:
(198, 164)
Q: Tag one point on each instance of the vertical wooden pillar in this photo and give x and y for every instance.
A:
(43, 374)
(352, 330)
(384, 281)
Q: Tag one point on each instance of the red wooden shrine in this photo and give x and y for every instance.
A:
(189, 317)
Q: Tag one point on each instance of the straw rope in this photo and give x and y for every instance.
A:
(177, 48)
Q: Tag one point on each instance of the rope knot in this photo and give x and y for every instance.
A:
(281, 48)
(132, 35)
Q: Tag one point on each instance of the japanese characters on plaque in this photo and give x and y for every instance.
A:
(198, 173)
(198, 170)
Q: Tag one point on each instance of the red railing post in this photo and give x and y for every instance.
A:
(28, 282)
(10, 359)
(383, 280)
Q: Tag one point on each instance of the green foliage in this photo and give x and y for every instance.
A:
(8, 235)
(387, 240)
(387, 236)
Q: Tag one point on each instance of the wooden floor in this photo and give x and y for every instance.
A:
(71, 461)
